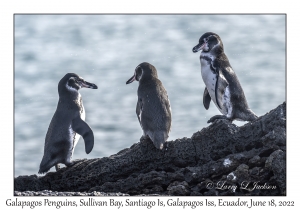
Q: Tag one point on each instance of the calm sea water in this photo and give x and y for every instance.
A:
(105, 49)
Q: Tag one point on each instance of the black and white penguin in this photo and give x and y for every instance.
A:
(67, 124)
(153, 108)
(222, 85)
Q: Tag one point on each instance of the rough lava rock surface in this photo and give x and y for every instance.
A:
(221, 159)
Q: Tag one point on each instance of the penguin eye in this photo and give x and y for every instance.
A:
(72, 79)
(78, 80)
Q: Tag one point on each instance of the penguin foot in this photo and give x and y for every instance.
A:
(73, 162)
(165, 146)
(218, 117)
(57, 167)
(145, 139)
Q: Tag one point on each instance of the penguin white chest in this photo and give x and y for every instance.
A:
(82, 110)
(209, 78)
(73, 135)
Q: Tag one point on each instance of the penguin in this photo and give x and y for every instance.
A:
(67, 125)
(222, 84)
(153, 108)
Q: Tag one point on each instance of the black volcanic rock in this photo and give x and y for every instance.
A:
(221, 159)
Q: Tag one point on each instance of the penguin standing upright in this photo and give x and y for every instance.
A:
(222, 85)
(153, 108)
(67, 124)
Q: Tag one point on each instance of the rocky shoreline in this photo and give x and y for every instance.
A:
(221, 159)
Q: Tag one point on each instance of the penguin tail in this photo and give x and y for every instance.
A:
(43, 170)
(45, 167)
(249, 116)
(159, 138)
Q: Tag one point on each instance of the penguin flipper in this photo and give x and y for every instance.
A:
(221, 85)
(206, 99)
(83, 129)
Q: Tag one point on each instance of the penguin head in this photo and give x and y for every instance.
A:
(73, 82)
(143, 72)
(209, 42)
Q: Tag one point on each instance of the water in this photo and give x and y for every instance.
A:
(105, 49)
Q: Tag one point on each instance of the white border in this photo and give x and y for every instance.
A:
(8, 8)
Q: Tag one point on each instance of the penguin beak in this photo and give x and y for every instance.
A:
(131, 80)
(88, 85)
(198, 47)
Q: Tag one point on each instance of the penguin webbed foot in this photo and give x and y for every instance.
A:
(73, 162)
(165, 148)
(218, 117)
(145, 139)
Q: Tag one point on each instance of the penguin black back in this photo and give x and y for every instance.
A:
(153, 106)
